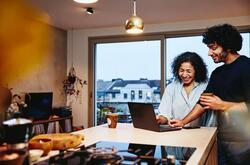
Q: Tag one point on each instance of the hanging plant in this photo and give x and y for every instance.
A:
(73, 84)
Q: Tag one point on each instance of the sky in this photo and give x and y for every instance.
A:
(128, 60)
(135, 60)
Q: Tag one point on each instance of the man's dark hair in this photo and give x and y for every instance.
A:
(224, 35)
(196, 61)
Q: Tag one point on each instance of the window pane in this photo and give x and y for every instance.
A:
(125, 72)
(178, 45)
(245, 50)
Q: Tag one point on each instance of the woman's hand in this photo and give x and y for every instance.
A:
(176, 123)
(161, 119)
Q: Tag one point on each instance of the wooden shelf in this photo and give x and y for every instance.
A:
(63, 125)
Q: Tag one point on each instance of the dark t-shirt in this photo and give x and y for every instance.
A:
(231, 82)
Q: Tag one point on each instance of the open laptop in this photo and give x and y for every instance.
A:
(143, 116)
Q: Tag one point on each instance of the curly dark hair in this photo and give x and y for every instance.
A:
(196, 61)
(224, 35)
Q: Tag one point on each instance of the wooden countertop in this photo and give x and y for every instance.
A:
(202, 139)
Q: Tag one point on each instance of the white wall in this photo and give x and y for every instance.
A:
(80, 51)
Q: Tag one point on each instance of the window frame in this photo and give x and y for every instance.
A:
(93, 41)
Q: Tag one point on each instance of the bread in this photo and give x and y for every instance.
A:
(62, 141)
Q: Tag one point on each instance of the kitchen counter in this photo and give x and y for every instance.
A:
(203, 139)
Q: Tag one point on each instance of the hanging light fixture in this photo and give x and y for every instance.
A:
(89, 10)
(134, 24)
(86, 1)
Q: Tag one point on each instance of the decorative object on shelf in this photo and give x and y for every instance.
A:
(17, 106)
(134, 24)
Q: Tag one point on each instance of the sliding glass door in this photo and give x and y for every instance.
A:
(137, 69)
(125, 72)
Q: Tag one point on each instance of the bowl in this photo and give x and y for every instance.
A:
(12, 157)
(44, 144)
(35, 154)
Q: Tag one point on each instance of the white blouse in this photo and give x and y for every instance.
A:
(175, 104)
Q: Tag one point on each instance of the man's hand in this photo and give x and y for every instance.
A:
(161, 119)
(176, 123)
(215, 103)
(212, 102)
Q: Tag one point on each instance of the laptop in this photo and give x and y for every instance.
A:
(143, 116)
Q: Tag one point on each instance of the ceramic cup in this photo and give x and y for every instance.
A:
(112, 119)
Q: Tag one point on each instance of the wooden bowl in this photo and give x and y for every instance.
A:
(44, 144)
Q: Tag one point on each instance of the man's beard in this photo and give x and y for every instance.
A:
(222, 57)
(223, 54)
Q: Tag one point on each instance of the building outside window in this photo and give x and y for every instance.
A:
(125, 95)
(132, 95)
(140, 94)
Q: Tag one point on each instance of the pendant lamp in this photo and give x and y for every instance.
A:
(134, 24)
(86, 1)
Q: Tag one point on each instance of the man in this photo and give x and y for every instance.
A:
(230, 85)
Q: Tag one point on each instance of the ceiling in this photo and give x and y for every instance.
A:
(67, 14)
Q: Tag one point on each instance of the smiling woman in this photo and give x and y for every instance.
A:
(181, 95)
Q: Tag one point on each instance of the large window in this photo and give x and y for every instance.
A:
(125, 70)
(194, 44)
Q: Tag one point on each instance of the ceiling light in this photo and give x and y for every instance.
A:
(86, 1)
(89, 10)
(134, 24)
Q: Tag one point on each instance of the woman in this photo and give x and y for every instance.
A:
(180, 96)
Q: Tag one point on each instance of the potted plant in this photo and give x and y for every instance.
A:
(72, 86)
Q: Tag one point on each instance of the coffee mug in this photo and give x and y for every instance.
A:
(112, 119)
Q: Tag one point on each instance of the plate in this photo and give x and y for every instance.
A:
(35, 154)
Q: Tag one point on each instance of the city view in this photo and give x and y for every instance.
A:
(113, 96)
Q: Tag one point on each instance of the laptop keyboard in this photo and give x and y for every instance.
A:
(165, 126)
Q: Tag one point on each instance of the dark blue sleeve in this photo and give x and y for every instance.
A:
(210, 86)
